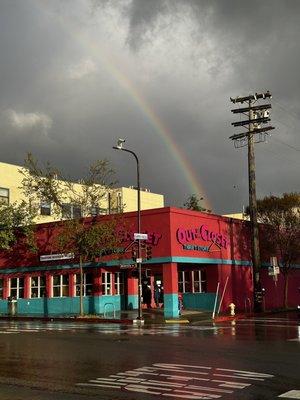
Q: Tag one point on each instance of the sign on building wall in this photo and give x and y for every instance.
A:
(56, 257)
(203, 233)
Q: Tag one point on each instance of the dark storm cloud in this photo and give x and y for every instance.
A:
(69, 70)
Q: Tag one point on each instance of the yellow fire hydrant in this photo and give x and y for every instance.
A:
(232, 308)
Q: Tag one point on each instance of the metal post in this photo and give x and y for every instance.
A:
(139, 264)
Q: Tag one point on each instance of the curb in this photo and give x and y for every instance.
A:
(177, 321)
(63, 319)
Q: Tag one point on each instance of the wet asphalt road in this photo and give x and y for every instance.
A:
(251, 359)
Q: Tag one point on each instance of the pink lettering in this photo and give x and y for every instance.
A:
(187, 235)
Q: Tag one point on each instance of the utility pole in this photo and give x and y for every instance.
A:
(258, 117)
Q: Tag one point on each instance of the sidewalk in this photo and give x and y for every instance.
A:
(150, 317)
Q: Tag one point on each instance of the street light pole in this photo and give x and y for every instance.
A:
(138, 261)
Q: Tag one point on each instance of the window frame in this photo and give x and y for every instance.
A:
(61, 285)
(41, 289)
(45, 208)
(85, 285)
(119, 283)
(106, 284)
(5, 197)
(69, 210)
(18, 287)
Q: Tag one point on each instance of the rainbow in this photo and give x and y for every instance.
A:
(141, 103)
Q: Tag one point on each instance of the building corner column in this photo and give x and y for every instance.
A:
(170, 283)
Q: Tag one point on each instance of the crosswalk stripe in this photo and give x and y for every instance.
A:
(239, 377)
(292, 394)
(247, 373)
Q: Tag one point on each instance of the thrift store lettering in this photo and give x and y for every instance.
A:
(185, 236)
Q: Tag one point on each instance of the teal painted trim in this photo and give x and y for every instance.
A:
(65, 305)
(171, 307)
(158, 260)
(199, 301)
(132, 302)
(3, 307)
(107, 304)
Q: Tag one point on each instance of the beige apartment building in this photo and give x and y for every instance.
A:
(113, 201)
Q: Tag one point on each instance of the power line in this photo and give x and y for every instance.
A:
(286, 144)
(292, 113)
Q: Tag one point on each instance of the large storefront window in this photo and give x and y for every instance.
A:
(60, 285)
(87, 284)
(199, 281)
(184, 283)
(192, 281)
(37, 286)
(106, 283)
(119, 283)
(17, 288)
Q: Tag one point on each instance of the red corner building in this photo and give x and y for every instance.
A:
(187, 256)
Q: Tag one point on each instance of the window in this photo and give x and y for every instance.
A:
(1, 287)
(4, 196)
(106, 283)
(96, 210)
(45, 208)
(71, 211)
(199, 281)
(184, 283)
(76, 212)
(37, 286)
(16, 287)
(87, 284)
(60, 285)
(66, 210)
(119, 283)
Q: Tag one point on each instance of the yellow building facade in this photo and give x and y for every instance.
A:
(115, 200)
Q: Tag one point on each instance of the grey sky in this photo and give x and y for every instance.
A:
(76, 75)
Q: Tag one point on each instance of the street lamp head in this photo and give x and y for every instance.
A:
(120, 143)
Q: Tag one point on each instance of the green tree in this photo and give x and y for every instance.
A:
(86, 238)
(281, 216)
(16, 225)
(194, 203)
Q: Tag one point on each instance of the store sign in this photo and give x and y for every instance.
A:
(56, 257)
(186, 236)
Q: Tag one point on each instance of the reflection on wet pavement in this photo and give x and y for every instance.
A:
(248, 329)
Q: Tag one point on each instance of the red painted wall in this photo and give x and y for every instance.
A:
(169, 229)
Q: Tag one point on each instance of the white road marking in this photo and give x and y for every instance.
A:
(239, 377)
(180, 366)
(99, 385)
(100, 381)
(209, 389)
(180, 381)
(292, 394)
(208, 395)
(247, 373)
(238, 385)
